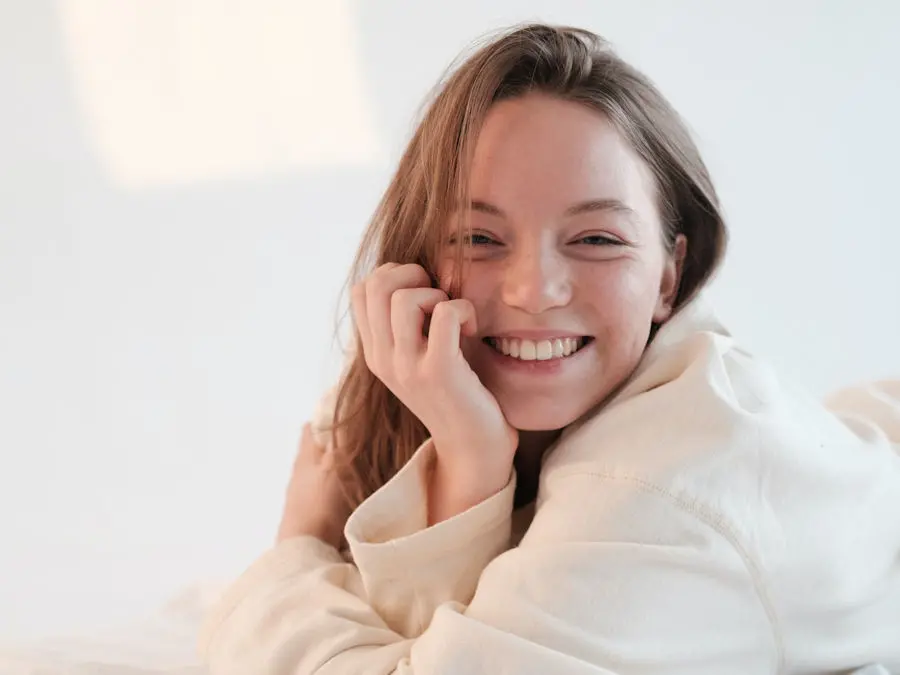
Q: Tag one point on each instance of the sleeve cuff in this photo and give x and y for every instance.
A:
(389, 533)
(407, 568)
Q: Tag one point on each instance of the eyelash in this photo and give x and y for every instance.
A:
(468, 240)
(604, 241)
(471, 240)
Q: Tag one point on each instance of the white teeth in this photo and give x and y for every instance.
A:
(558, 349)
(541, 350)
(514, 349)
(527, 350)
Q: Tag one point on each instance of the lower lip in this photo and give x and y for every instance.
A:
(548, 367)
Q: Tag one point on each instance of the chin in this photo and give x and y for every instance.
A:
(538, 416)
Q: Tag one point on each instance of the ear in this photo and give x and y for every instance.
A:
(671, 280)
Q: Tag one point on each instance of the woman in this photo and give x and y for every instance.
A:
(553, 458)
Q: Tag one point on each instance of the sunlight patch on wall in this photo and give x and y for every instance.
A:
(180, 91)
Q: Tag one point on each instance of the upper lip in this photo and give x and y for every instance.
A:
(543, 334)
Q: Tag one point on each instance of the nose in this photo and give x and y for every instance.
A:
(536, 279)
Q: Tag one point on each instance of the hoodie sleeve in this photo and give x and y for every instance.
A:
(301, 603)
(657, 591)
(407, 568)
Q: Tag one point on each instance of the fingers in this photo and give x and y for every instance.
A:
(372, 302)
(359, 299)
(409, 307)
(449, 321)
(392, 307)
(379, 289)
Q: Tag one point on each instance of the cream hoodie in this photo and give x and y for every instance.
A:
(710, 519)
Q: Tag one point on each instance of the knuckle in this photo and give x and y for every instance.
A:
(383, 269)
(374, 284)
(387, 270)
(420, 272)
(391, 276)
(399, 298)
(444, 310)
(381, 273)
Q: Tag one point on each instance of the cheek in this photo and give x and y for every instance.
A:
(621, 298)
(477, 286)
(617, 284)
(447, 274)
(482, 293)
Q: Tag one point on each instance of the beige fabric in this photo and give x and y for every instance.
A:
(711, 519)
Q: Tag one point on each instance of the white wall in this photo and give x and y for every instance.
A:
(181, 191)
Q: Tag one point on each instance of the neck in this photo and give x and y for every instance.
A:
(532, 446)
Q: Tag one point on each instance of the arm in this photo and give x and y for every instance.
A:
(403, 570)
(407, 567)
(613, 577)
(415, 519)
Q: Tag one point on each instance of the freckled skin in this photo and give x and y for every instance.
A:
(603, 273)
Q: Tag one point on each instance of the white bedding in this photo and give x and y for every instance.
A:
(165, 643)
(162, 644)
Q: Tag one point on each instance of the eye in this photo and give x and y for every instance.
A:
(476, 239)
(598, 240)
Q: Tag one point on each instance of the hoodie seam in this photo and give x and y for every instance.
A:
(719, 524)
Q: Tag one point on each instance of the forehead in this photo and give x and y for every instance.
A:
(543, 151)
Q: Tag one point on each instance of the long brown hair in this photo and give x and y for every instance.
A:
(374, 432)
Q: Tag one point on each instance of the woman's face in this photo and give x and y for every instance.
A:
(567, 252)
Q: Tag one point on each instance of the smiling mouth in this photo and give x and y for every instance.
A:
(538, 350)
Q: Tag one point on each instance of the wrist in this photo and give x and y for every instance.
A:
(455, 487)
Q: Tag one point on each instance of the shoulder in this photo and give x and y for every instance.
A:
(714, 431)
(696, 397)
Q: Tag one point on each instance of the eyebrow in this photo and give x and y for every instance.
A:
(588, 206)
